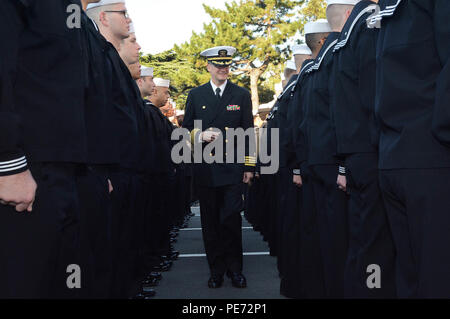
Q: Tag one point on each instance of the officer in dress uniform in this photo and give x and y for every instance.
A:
(44, 140)
(411, 103)
(222, 105)
(352, 106)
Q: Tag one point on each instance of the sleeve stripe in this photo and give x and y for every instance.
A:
(13, 161)
(13, 165)
(193, 133)
(13, 169)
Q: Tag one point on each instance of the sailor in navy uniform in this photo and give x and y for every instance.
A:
(287, 195)
(126, 197)
(291, 197)
(411, 103)
(311, 264)
(44, 134)
(352, 106)
(331, 203)
(222, 105)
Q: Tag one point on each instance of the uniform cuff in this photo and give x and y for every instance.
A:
(193, 135)
(296, 172)
(13, 166)
(250, 161)
(342, 171)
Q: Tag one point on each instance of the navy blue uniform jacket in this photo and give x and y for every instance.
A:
(233, 110)
(353, 84)
(413, 84)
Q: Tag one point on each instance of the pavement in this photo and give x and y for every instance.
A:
(189, 275)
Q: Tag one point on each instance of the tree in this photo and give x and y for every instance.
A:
(313, 10)
(182, 74)
(259, 29)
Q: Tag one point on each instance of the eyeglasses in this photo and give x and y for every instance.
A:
(124, 12)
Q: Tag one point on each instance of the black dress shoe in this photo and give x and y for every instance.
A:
(215, 282)
(154, 275)
(148, 291)
(145, 295)
(173, 240)
(162, 267)
(174, 255)
(150, 283)
(237, 279)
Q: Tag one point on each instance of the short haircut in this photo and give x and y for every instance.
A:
(312, 40)
(335, 15)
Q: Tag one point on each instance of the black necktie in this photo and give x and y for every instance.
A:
(218, 93)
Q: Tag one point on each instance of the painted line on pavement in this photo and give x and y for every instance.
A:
(198, 215)
(190, 229)
(204, 255)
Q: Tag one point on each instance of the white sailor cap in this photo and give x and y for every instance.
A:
(102, 3)
(319, 26)
(291, 65)
(145, 71)
(219, 56)
(347, 2)
(301, 49)
(131, 28)
(161, 82)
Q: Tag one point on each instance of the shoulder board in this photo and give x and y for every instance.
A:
(374, 20)
(316, 66)
(342, 43)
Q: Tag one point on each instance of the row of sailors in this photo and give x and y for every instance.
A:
(360, 206)
(85, 169)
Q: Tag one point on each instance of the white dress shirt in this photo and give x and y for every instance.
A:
(222, 87)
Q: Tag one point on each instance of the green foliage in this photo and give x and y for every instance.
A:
(258, 29)
(314, 9)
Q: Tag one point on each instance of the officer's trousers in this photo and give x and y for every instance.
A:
(331, 205)
(96, 246)
(370, 239)
(220, 209)
(418, 207)
(37, 248)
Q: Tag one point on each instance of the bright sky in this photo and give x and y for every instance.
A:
(160, 24)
